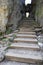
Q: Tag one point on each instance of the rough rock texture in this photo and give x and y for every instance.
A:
(5, 10)
(39, 12)
(2, 52)
(1, 55)
(40, 41)
(4, 44)
(9, 13)
(16, 15)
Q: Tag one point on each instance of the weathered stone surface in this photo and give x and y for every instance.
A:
(40, 41)
(16, 15)
(39, 12)
(33, 33)
(2, 55)
(28, 40)
(4, 44)
(2, 52)
(25, 46)
(26, 36)
(22, 55)
(5, 10)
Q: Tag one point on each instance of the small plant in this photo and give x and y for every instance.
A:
(8, 31)
(5, 39)
(14, 35)
(8, 44)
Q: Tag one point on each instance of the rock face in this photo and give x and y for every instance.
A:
(16, 14)
(40, 41)
(9, 13)
(5, 10)
(39, 12)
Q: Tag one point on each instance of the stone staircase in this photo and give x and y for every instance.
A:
(25, 47)
(28, 22)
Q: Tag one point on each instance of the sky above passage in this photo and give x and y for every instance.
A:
(27, 2)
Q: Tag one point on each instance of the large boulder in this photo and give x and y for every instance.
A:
(5, 10)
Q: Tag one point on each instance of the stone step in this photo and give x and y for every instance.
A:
(26, 36)
(25, 25)
(28, 20)
(30, 33)
(27, 56)
(26, 29)
(26, 40)
(25, 46)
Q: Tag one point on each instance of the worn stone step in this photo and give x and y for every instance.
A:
(32, 33)
(26, 40)
(26, 36)
(26, 30)
(25, 46)
(27, 56)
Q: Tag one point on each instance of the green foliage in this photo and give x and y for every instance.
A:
(8, 44)
(14, 35)
(5, 39)
(8, 31)
(0, 33)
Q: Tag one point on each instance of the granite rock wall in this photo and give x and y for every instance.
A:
(5, 10)
(16, 14)
(9, 13)
(39, 12)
